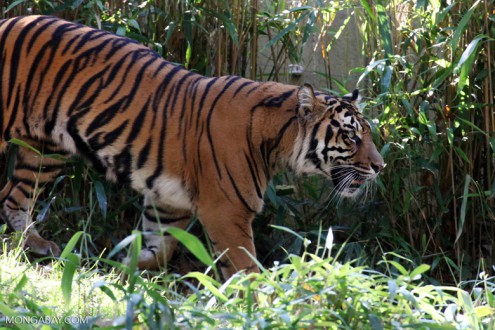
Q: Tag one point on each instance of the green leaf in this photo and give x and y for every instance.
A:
(463, 155)
(470, 50)
(192, 243)
(384, 28)
(465, 64)
(422, 118)
(13, 4)
(22, 282)
(71, 263)
(101, 196)
(368, 10)
(386, 78)
(25, 145)
(134, 258)
(187, 26)
(419, 270)
(170, 30)
(122, 244)
(282, 33)
(392, 289)
(188, 55)
(399, 267)
(375, 322)
(208, 283)
(288, 230)
(470, 124)
(104, 288)
(454, 42)
(462, 218)
(71, 244)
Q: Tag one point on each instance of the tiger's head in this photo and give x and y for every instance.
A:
(336, 141)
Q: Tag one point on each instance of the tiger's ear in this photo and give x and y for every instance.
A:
(354, 97)
(308, 109)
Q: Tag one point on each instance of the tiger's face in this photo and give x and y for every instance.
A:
(337, 141)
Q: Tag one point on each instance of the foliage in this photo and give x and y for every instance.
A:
(429, 90)
(430, 82)
(308, 292)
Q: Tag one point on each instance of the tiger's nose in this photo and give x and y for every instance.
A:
(377, 167)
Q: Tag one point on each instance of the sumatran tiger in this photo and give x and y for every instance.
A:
(191, 145)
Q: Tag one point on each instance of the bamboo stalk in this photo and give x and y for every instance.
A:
(254, 40)
(489, 110)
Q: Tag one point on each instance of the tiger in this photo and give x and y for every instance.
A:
(192, 146)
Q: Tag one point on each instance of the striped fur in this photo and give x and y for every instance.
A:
(191, 145)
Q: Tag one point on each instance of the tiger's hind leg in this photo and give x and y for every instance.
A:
(159, 246)
(31, 172)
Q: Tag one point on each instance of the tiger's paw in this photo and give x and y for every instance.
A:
(40, 246)
(147, 260)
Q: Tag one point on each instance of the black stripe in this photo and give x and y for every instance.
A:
(231, 80)
(70, 41)
(328, 134)
(137, 126)
(46, 53)
(202, 101)
(13, 201)
(81, 145)
(112, 136)
(255, 87)
(277, 101)
(50, 122)
(105, 116)
(143, 154)
(254, 176)
(178, 88)
(238, 193)
(4, 37)
(163, 128)
(15, 180)
(27, 194)
(242, 229)
(82, 102)
(123, 164)
(17, 50)
(242, 86)
(43, 168)
(7, 133)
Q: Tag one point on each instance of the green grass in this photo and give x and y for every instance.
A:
(306, 292)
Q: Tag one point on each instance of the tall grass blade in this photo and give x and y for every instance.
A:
(71, 245)
(71, 264)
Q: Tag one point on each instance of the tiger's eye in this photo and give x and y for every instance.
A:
(351, 134)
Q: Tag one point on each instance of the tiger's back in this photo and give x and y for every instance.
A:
(191, 145)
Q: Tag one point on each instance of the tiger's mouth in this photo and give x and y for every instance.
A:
(347, 181)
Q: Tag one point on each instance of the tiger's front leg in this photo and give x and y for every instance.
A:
(159, 245)
(31, 172)
(231, 234)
